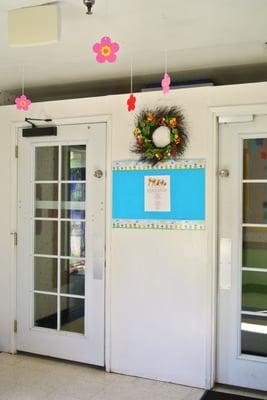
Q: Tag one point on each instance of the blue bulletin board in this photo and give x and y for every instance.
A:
(183, 203)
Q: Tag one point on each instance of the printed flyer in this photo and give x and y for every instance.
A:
(157, 193)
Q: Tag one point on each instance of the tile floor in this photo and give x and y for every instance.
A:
(24, 377)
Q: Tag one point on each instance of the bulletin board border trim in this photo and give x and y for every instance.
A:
(141, 166)
(167, 225)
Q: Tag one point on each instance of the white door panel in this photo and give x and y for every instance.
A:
(61, 245)
(242, 286)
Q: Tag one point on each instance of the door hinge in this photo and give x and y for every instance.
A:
(15, 326)
(15, 236)
(17, 151)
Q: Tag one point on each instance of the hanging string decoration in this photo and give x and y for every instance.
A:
(106, 50)
(132, 99)
(166, 80)
(22, 102)
(160, 134)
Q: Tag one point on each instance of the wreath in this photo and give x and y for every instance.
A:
(160, 134)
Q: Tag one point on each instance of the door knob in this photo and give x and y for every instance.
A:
(98, 173)
(224, 173)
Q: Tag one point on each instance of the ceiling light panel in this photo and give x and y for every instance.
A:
(34, 26)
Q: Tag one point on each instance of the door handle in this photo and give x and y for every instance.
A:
(98, 173)
(223, 173)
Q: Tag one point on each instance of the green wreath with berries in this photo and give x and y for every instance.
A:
(160, 134)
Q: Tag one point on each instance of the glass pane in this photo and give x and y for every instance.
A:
(255, 203)
(254, 291)
(72, 315)
(46, 163)
(72, 276)
(73, 239)
(73, 163)
(46, 200)
(254, 335)
(45, 311)
(255, 247)
(73, 200)
(46, 237)
(255, 159)
(45, 274)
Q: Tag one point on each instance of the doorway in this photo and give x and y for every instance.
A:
(61, 243)
(242, 235)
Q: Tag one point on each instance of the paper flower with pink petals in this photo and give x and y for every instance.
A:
(165, 83)
(23, 103)
(106, 50)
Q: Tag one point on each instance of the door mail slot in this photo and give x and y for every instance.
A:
(39, 131)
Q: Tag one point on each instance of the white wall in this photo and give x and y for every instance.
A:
(160, 280)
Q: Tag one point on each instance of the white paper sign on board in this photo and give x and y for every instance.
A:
(157, 193)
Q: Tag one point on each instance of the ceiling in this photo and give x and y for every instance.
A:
(196, 35)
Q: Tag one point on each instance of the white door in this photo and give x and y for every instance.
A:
(61, 243)
(242, 298)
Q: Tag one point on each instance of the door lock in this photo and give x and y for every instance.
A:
(224, 173)
(98, 173)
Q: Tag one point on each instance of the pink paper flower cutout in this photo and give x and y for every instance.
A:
(165, 83)
(106, 50)
(131, 102)
(23, 103)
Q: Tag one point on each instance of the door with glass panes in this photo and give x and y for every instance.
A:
(242, 289)
(61, 243)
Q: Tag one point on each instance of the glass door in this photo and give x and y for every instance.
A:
(59, 188)
(254, 248)
(242, 286)
(61, 245)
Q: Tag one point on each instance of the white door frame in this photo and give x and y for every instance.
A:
(13, 256)
(212, 225)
